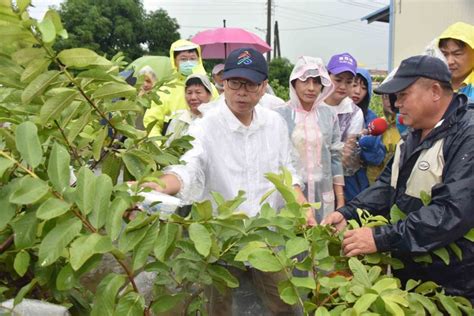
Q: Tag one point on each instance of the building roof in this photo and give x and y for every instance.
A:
(381, 15)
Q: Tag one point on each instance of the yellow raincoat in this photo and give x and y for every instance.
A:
(463, 32)
(172, 94)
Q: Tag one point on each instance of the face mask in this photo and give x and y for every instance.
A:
(186, 67)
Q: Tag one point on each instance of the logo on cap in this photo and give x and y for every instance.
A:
(346, 60)
(244, 58)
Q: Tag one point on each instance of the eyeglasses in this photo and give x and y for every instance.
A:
(237, 84)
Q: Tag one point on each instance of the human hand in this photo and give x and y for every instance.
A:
(336, 219)
(359, 241)
(310, 220)
(152, 185)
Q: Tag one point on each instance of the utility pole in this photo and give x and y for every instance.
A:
(276, 42)
(269, 28)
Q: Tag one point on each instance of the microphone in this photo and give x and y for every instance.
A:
(377, 127)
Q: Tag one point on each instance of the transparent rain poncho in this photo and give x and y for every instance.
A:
(316, 137)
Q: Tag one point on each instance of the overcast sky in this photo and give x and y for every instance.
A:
(317, 28)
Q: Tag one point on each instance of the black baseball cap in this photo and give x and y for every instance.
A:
(246, 63)
(413, 68)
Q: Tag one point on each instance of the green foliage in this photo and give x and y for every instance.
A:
(61, 216)
(279, 70)
(109, 27)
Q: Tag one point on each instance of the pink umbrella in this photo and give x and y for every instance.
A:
(218, 43)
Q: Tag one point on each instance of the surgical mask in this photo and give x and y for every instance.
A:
(186, 67)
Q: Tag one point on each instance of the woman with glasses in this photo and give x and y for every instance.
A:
(314, 131)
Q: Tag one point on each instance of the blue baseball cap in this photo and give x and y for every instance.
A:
(246, 63)
(341, 63)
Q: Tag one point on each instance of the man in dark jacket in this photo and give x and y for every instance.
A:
(438, 158)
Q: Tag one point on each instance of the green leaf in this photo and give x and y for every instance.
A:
(56, 105)
(100, 209)
(457, 251)
(426, 287)
(363, 303)
(132, 304)
(47, 30)
(57, 239)
(134, 133)
(307, 282)
(29, 191)
(5, 164)
(287, 192)
(264, 260)
(359, 271)
(425, 198)
(85, 247)
(77, 126)
(86, 190)
(201, 238)
(396, 214)
(204, 209)
(135, 163)
(145, 247)
(166, 238)
(385, 284)
(244, 253)
(113, 90)
(56, 19)
(24, 291)
(81, 58)
(25, 227)
(296, 246)
(66, 278)
(34, 69)
(52, 208)
(22, 5)
(22, 261)
(411, 284)
(423, 258)
(220, 273)
(470, 235)
(58, 168)
(426, 302)
(166, 302)
(266, 195)
(393, 307)
(98, 143)
(125, 106)
(114, 220)
(26, 55)
(8, 210)
(449, 305)
(333, 282)
(322, 311)
(288, 293)
(28, 144)
(443, 254)
(104, 303)
(38, 86)
(129, 239)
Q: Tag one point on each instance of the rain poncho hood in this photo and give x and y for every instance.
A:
(182, 45)
(310, 67)
(460, 31)
(364, 103)
(172, 95)
(463, 32)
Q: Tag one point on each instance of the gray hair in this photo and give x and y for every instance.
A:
(148, 71)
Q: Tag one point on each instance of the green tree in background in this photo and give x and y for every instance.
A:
(108, 27)
(279, 75)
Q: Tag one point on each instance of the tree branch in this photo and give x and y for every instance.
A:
(2, 153)
(6, 244)
(72, 149)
